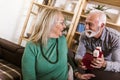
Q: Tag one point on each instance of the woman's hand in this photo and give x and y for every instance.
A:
(84, 76)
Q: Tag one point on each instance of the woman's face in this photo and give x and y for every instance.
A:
(58, 27)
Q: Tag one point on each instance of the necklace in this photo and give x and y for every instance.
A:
(50, 61)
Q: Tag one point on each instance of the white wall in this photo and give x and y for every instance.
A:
(10, 19)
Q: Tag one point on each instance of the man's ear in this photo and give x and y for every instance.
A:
(102, 25)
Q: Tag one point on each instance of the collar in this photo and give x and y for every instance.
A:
(103, 34)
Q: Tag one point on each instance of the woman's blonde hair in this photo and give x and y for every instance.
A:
(45, 20)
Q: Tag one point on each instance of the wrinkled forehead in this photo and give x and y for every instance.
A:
(60, 17)
(92, 18)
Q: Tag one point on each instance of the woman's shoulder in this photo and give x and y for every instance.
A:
(62, 37)
(31, 44)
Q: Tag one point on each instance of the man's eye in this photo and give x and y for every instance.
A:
(90, 24)
(62, 23)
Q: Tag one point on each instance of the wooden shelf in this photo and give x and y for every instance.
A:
(73, 17)
(77, 33)
(25, 38)
(33, 13)
(109, 2)
(83, 16)
(67, 12)
(71, 13)
(114, 26)
(38, 4)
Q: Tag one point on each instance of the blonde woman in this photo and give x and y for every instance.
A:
(45, 55)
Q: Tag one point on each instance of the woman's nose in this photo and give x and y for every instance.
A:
(64, 26)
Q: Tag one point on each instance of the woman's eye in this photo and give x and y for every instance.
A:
(62, 23)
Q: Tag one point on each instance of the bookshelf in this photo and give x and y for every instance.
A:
(74, 17)
(71, 15)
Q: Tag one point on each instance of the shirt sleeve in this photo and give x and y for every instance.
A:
(114, 64)
(28, 63)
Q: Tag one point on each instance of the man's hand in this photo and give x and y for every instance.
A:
(98, 62)
(81, 65)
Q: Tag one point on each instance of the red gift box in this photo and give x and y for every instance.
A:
(87, 60)
(89, 57)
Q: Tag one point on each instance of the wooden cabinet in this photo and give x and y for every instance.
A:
(74, 36)
(71, 15)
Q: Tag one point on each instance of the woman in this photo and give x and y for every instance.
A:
(45, 55)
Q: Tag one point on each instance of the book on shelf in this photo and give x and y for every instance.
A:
(67, 5)
(70, 5)
(81, 27)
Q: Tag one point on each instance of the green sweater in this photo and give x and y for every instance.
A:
(36, 67)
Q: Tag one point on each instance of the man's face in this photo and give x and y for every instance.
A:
(91, 23)
(92, 27)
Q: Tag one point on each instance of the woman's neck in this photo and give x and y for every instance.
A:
(51, 35)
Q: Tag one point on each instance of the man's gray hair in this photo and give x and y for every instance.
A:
(101, 14)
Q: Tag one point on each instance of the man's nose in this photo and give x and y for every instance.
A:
(86, 26)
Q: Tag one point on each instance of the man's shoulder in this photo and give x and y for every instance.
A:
(112, 31)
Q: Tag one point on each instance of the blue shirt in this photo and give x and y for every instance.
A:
(110, 44)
